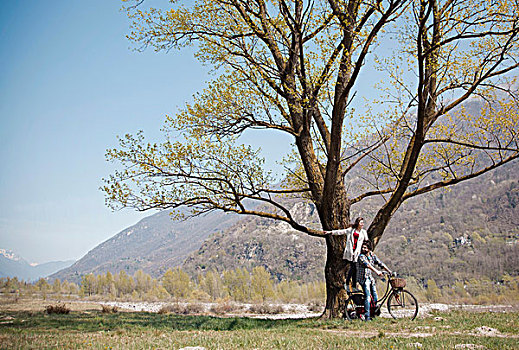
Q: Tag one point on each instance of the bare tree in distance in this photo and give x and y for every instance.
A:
(295, 67)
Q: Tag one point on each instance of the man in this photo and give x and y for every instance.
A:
(365, 265)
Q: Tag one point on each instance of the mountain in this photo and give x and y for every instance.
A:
(12, 265)
(255, 241)
(469, 231)
(154, 245)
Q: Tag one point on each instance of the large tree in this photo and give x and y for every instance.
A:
(295, 67)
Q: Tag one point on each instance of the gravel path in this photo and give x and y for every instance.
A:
(301, 311)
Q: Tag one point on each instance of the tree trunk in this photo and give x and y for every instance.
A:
(335, 216)
(335, 275)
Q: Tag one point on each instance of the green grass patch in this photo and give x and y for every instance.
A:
(139, 330)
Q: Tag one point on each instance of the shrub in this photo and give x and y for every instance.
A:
(164, 310)
(172, 308)
(315, 307)
(224, 308)
(266, 309)
(180, 309)
(199, 295)
(194, 308)
(57, 309)
(107, 309)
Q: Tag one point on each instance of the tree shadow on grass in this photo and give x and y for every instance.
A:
(97, 321)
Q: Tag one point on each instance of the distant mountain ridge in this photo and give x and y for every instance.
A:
(9, 254)
(13, 265)
(154, 244)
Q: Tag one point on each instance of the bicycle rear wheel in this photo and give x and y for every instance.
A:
(402, 304)
(350, 309)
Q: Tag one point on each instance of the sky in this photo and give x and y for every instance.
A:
(70, 83)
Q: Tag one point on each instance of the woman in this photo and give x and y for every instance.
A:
(355, 236)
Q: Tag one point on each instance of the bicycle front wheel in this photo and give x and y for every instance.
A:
(402, 304)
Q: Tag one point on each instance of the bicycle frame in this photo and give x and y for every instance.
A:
(404, 305)
(389, 290)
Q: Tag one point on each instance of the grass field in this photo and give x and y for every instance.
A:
(92, 329)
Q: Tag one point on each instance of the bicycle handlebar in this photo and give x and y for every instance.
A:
(392, 274)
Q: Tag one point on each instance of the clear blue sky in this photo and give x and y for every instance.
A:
(69, 84)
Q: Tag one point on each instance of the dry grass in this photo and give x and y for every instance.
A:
(7, 303)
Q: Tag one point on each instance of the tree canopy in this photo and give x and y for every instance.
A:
(296, 67)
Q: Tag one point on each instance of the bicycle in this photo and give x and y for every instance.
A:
(401, 304)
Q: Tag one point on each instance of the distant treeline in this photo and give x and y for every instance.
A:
(239, 285)
(242, 285)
